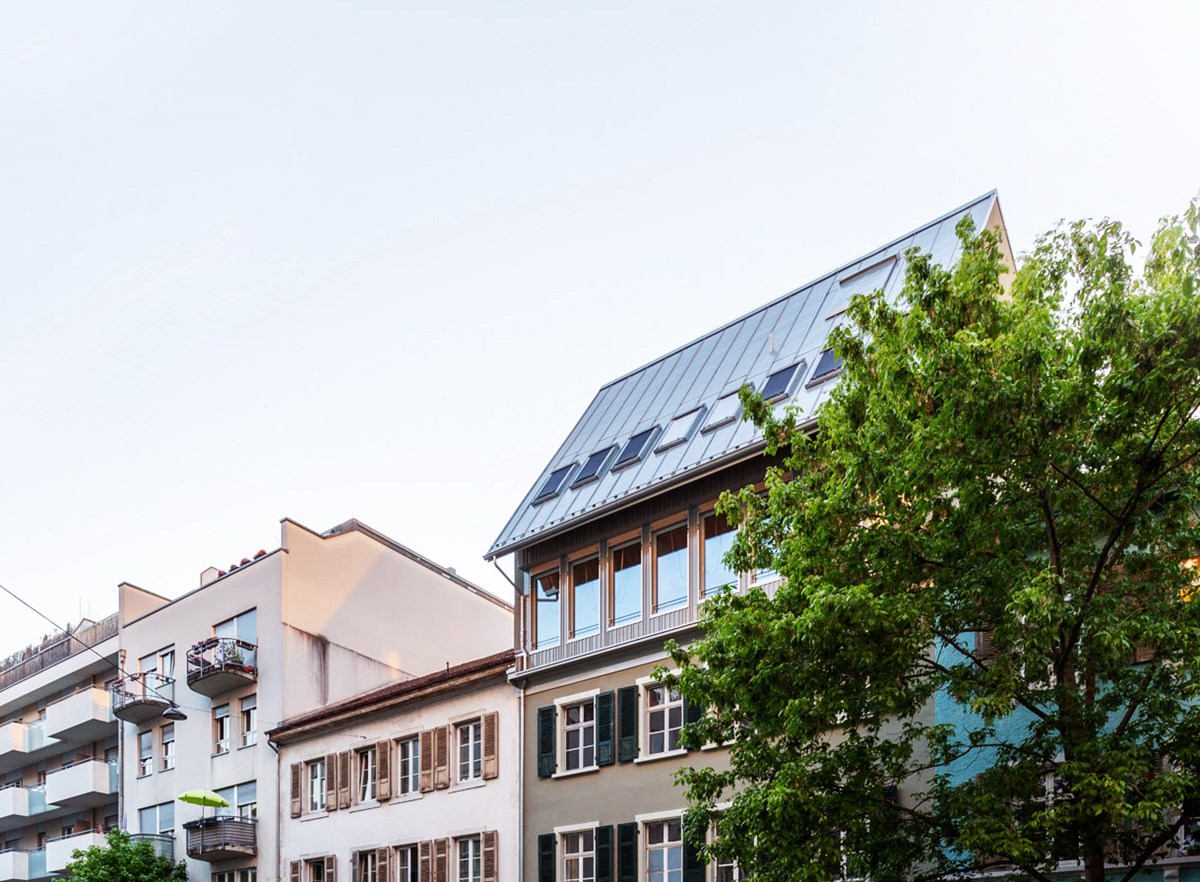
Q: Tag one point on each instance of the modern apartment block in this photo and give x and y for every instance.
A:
(415, 781)
(322, 617)
(616, 546)
(58, 750)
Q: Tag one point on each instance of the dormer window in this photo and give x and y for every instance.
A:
(592, 467)
(554, 484)
(777, 385)
(634, 448)
(724, 412)
(679, 430)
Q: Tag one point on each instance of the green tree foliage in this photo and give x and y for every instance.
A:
(123, 860)
(1012, 453)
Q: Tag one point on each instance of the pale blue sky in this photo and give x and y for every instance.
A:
(373, 259)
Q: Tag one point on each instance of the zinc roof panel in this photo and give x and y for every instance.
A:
(705, 369)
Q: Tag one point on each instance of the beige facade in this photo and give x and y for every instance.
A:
(413, 782)
(58, 750)
(323, 617)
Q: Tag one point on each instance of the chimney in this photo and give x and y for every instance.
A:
(209, 575)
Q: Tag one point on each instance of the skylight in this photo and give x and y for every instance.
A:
(554, 483)
(778, 383)
(592, 467)
(724, 412)
(634, 448)
(828, 365)
(679, 429)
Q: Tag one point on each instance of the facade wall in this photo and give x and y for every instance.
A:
(463, 810)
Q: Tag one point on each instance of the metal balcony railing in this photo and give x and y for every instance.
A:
(221, 838)
(219, 664)
(137, 698)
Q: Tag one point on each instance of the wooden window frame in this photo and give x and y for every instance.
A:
(573, 560)
(669, 525)
(616, 544)
(703, 513)
(532, 636)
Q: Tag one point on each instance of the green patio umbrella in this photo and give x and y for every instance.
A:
(203, 798)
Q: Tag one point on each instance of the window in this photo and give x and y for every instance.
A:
(243, 627)
(585, 597)
(470, 865)
(627, 583)
(406, 864)
(580, 730)
(470, 750)
(316, 870)
(718, 535)
(664, 851)
(221, 729)
(545, 610)
(145, 753)
(554, 484)
(724, 412)
(368, 867)
(249, 720)
(664, 710)
(366, 774)
(727, 870)
(224, 876)
(409, 761)
(250, 874)
(316, 785)
(776, 387)
(827, 365)
(679, 430)
(579, 856)
(671, 568)
(634, 448)
(242, 799)
(158, 819)
(167, 737)
(592, 467)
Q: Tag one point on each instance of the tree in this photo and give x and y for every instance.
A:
(995, 518)
(123, 860)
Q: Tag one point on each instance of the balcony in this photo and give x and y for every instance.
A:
(24, 743)
(163, 845)
(84, 784)
(221, 839)
(219, 664)
(14, 866)
(139, 698)
(84, 716)
(59, 851)
(14, 806)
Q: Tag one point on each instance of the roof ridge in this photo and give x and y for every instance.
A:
(794, 291)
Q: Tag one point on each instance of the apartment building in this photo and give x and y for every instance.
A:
(413, 782)
(616, 545)
(58, 750)
(306, 625)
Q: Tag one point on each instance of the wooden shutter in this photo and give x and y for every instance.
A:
(604, 729)
(490, 867)
(693, 867)
(426, 747)
(296, 804)
(425, 860)
(547, 866)
(383, 865)
(985, 645)
(627, 723)
(295, 871)
(441, 758)
(627, 852)
(441, 860)
(383, 771)
(331, 781)
(330, 868)
(1144, 653)
(604, 853)
(344, 788)
(491, 738)
(546, 720)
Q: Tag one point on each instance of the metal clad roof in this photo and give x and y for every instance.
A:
(702, 371)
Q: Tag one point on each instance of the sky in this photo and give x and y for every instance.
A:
(373, 259)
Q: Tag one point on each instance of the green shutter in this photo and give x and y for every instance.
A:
(546, 864)
(545, 741)
(604, 728)
(693, 712)
(627, 723)
(604, 843)
(627, 852)
(693, 867)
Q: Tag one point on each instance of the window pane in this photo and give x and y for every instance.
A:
(546, 615)
(718, 539)
(627, 583)
(586, 604)
(671, 568)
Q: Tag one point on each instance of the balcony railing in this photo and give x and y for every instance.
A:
(138, 698)
(219, 664)
(22, 743)
(52, 652)
(60, 850)
(14, 865)
(85, 715)
(220, 839)
(88, 782)
(163, 845)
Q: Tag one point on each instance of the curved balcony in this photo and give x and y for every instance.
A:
(219, 664)
(163, 845)
(141, 697)
(222, 838)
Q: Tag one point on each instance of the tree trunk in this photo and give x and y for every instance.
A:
(1093, 867)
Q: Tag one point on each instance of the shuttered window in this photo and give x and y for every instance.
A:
(604, 854)
(664, 851)
(407, 863)
(470, 859)
(627, 853)
(316, 785)
(627, 723)
(545, 740)
(579, 856)
(470, 750)
(408, 766)
(546, 863)
(604, 728)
